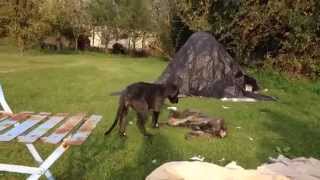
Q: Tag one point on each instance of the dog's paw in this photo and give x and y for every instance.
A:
(156, 125)
(123, 134)
(148, 135)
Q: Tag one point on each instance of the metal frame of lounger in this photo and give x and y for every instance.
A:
(44, 165)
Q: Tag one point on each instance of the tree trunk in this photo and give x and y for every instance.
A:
(107, 40)
(134, 40)
(129, 43)
(21, 45)
(93, 35)
(58, 41)
(21, 50)
(143, 40)
(134, 43)
(116, 33)
(76, 43)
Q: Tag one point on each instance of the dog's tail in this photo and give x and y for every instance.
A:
(120, 110)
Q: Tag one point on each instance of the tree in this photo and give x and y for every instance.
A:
(251, 30)
(135, 18)
(195, 13)
(188, 16)
(105, 17)
(26, 23)
(162, 27)
(75, 15)
(4, 18)
(131, 17)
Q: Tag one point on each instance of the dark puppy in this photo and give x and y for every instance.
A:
(214, 127)
(143, 97)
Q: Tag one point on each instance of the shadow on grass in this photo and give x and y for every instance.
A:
(131, 158)
(307, 109)
(299, 136)
(88, 156)
(151, 154)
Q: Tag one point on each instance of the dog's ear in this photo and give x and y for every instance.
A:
(172, 92)
(172, 89)
(175, 80)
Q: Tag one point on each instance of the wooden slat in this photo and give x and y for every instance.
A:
(42, 129)
(64, 129)
(84, 131)
(13, 120)
(3, 117)
(22, 127)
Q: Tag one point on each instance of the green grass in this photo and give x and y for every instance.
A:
(82, 83)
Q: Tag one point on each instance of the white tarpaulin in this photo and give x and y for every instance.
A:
(280, 169)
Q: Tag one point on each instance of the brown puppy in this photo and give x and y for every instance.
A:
(143, 97)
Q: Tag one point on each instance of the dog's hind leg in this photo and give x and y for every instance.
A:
(141, 107)
(142, 118)
(123, 122)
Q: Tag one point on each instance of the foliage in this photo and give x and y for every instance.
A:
(309, 67)
(136, 18)
(4, 18)
(58, 11)
(284, 30)
(29, 21)
(116, 17)
(161, 15)
(74, 12)
(105, 17)
(195, 13)
(25, 21)
(252, 30)
(180, 31)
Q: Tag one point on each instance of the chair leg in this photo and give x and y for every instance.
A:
(3, 102)
(53, 157)
(36, 156)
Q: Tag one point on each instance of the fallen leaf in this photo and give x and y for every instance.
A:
(197, 158)
(225, 107)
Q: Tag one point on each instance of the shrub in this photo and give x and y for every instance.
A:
(139, 53)
(251, 30)
(118, 48)
(309, 67)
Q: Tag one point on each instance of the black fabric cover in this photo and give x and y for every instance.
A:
(202, 67)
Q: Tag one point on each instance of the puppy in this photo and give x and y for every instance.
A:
(143, 97)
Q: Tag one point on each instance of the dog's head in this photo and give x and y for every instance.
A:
(172, 92)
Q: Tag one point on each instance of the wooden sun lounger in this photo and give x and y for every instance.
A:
(28, 127)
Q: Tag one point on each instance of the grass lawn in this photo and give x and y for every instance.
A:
(82, 83)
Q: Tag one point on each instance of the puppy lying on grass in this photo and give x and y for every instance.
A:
(200, 124)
